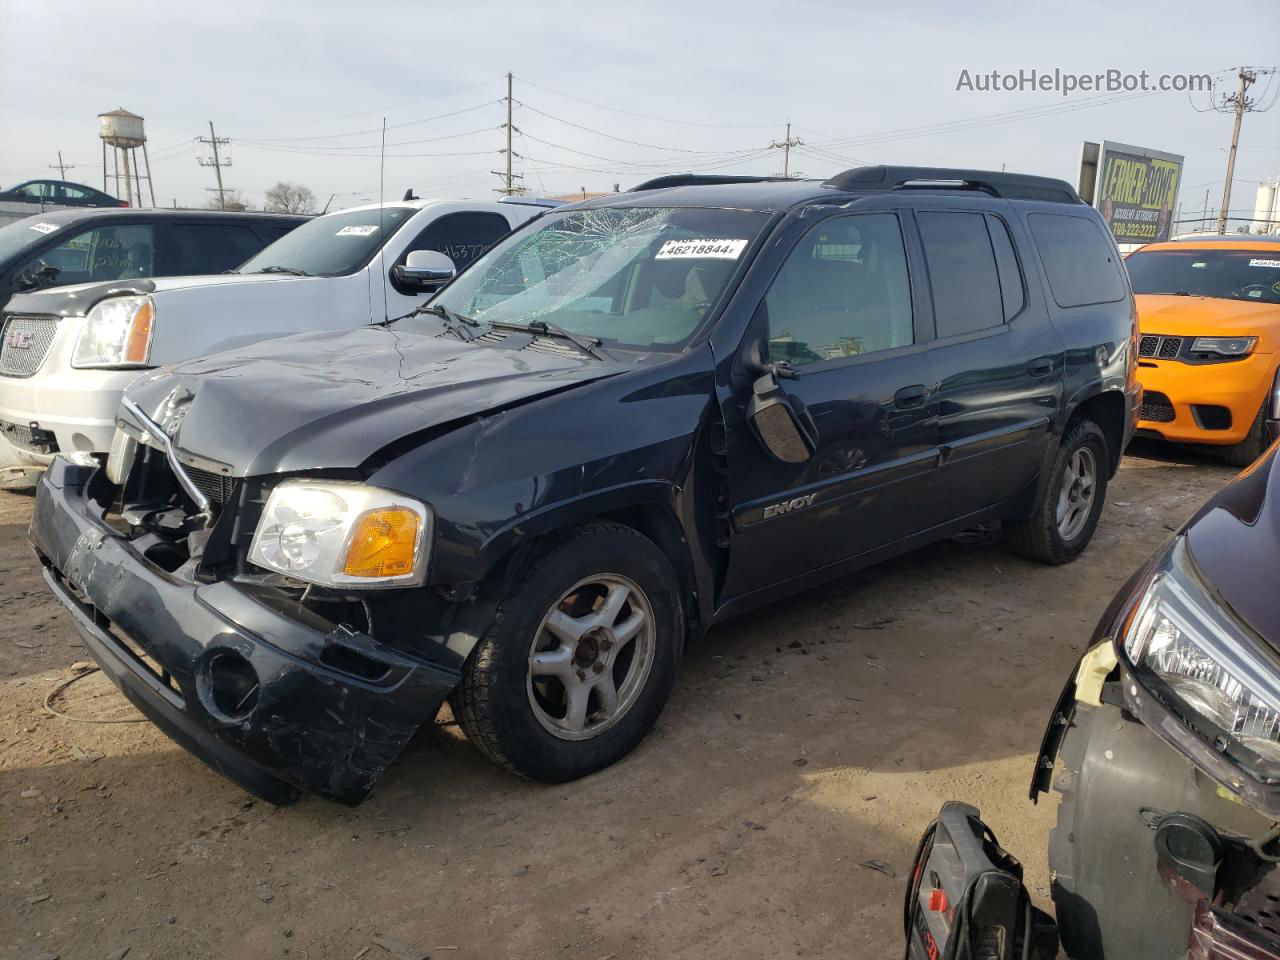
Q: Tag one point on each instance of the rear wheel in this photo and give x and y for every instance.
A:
(580, 658)
(1067, 514)
(1250, 448)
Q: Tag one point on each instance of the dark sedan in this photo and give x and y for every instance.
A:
(59, 193)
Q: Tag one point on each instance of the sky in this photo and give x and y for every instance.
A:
(611, 93)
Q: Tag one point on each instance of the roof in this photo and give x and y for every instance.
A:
(774, 194)
(1239, 241)
(766, 195)
(420, 204)
(72, 214)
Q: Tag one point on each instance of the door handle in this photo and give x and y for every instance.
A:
(911, 396)
(1041, 367)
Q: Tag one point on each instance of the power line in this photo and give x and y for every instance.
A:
(364, 113)
(955, 126)
(358, 133)
(610, 136)
(324, 147)
(645, 116)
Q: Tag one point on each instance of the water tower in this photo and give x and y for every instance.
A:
(124, 133)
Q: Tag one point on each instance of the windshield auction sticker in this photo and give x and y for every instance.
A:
(1264, 263)
(363, 230)
(701, 250)
(44, 227)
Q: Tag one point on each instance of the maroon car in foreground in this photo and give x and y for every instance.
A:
(1165, 750)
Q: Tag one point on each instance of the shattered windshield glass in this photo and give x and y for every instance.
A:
(642, 277)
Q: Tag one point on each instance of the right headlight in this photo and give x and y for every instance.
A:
(1210, 663)
(116, 333)
(339, 534)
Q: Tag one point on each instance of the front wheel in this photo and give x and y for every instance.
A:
(1249, 449)
(579, 659)
(1067, 514)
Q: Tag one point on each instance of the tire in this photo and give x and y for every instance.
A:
(1042, 536)
(1249, 449)
(526, 722)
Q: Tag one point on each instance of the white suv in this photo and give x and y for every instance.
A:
(66, 354)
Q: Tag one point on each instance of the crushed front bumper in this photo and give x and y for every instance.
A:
(184, 652)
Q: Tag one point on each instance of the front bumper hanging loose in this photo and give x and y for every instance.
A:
(255, 693)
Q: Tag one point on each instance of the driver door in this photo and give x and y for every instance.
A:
(840, 314)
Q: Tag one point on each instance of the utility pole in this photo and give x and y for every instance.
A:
(217, 163)
(509, 188)
(62, 167)
(1239, 102)
(785, 146)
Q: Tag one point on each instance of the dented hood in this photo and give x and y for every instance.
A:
(332, 400)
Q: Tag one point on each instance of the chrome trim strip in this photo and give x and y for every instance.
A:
(171, 455)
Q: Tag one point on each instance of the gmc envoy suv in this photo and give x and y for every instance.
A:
(629, 420)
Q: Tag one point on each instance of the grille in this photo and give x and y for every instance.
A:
(1211, 417)
(1156, 345)
(1156, 407)
(24, 438)
(215, 486)
(24, 342)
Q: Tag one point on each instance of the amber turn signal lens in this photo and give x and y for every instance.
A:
(138, 342)
(383, 544)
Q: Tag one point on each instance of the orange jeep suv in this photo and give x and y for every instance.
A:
(1209, 318)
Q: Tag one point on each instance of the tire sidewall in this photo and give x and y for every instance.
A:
(541, 582)
(1083, 434)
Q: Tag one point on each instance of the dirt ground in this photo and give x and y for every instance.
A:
(801, 743)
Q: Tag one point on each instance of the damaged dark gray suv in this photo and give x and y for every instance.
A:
(629, 420)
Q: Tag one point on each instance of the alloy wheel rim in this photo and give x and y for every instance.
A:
(590, 657)
(1076, 493)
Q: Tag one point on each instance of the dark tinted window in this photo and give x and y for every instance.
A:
(1011, 291)
(1079, 259)
(461, 237)
(211, 247)
(1224, 274)
(962, 272)
(842, 292)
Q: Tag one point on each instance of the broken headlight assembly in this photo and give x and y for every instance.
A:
(116, 333)
(337, 534)
(1203, 662)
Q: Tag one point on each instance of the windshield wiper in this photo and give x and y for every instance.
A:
(292, 271)
(588, 345)
(453, 322)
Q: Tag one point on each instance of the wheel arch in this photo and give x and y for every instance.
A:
(649, 507)
(1107, 409)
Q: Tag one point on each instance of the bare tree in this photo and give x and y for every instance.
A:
(290, 198)
(230, 200)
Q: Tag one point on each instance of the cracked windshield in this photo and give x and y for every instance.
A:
(637, 277)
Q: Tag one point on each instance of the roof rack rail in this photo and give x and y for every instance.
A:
(696, 179)
(1011, 186)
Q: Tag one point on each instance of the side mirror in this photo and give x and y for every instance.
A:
(779, 422)
(424, 270)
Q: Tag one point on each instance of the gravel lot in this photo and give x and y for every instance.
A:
(802, 742)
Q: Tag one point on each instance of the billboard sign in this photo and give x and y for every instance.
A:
(1134, 188)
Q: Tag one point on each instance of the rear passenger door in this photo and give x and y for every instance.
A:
(998, 360)
(840, 312)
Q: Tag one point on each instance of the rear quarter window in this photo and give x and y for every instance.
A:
(1078, 258)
